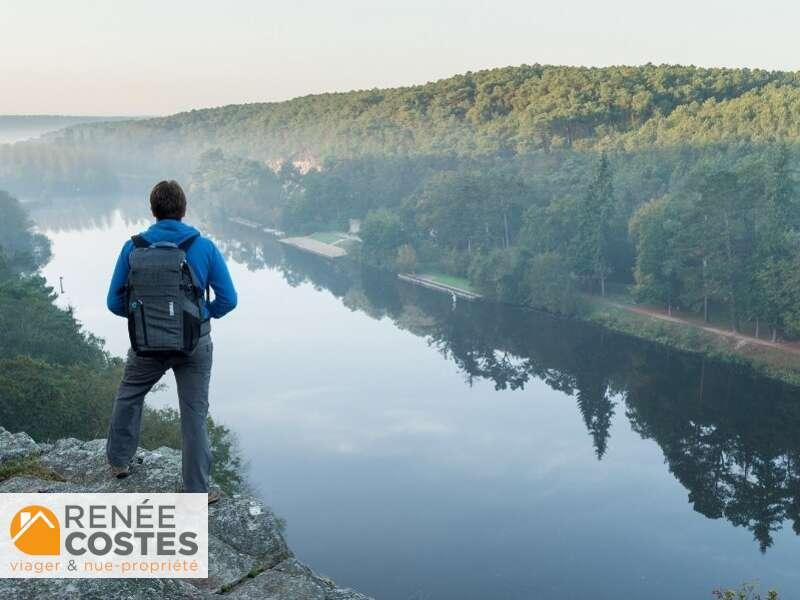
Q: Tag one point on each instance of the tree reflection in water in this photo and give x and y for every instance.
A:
(731, 437)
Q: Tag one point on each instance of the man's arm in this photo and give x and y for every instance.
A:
(116, 291)
(219, 279)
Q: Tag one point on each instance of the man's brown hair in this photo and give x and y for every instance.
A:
(167, 200)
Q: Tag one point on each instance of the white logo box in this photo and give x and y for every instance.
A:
(104, 535)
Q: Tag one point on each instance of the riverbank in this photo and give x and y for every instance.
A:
(308, 244)
(327, 244)
(248, 554)
(439, 283)
(776, 360)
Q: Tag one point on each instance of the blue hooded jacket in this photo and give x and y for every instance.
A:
(203, 256)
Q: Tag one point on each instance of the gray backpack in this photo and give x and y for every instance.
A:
(165, 302)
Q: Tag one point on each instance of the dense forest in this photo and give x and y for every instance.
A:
(717, 237)
(535, 184)
(498, 112)
(56, 379)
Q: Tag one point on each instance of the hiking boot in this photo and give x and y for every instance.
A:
(120, 472)
(214, 496)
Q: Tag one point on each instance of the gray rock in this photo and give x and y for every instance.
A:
(249, 527)
(226, 568)
(85, 463)
(298, 569)
(99, 589)
(279, 583)
(15, 446)
(27, 483)
(248, 556)
(345, 594)
(292, 579)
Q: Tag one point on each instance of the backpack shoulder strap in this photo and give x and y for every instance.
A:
(140, 242)
(187, 243)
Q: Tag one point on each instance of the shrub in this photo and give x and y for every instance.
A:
(550, 285)
(406, 261)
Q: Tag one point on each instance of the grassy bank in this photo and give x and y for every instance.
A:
(460, 283)
(772, 362)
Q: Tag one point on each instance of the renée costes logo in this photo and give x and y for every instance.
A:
(104, 535)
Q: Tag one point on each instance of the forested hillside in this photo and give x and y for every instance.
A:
(503, 114)
(506, 111)
(533, 182)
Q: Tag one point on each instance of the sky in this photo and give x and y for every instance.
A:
(160, 57)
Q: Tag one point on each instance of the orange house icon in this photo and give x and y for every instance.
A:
(35, 530)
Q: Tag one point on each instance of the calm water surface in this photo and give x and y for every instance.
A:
(424, 451)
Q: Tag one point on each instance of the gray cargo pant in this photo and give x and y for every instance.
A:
(192, 374)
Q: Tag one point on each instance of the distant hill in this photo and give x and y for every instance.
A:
(505, 111)
(15, 128)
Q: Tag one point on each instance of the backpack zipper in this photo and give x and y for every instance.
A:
(144, 322)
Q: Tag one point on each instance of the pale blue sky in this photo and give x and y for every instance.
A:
(148, 57)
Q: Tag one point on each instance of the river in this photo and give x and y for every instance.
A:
(421, 450)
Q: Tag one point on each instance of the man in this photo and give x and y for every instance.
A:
(193, 372)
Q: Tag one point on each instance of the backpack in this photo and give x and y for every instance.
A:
(164, 299)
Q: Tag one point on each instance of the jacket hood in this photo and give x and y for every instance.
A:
(169, 230)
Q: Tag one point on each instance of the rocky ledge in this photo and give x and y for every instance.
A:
(248, 556)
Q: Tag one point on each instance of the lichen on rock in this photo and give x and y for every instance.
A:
(15, 446)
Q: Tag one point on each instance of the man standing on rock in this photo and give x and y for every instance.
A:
(159, 284)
